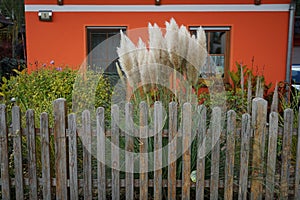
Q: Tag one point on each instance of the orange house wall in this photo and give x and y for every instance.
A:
(262, 35)
(259, 35)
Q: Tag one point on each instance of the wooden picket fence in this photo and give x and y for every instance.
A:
(253, 167)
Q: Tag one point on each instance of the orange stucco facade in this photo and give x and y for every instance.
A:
(259, 34)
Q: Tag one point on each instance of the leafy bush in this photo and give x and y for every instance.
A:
(37, 90)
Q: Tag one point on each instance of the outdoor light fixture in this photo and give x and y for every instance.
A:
(60, 2)
(157, 2)
(45, 15)
(257, 2)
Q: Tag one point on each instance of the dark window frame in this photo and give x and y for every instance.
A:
(108, 30)
(210, 29)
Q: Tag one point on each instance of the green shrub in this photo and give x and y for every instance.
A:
(37, 90)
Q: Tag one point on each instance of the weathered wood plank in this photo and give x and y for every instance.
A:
(259, 113)
(200, 185)
(158, 150)
(16, 129)
(32, 176)
(172, 150)
(87, 157)
(272, 151)
(143, 150)
(72, 126)
(297, 170)
(115, 155)
(101, 182)
(60, 125)
(5, 182)
(129, 147)
(45, 157)
(286, 153)
(245, 148)
(230, 151)
(186, 144)
(215, 153)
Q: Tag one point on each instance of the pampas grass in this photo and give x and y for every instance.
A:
(170, 53)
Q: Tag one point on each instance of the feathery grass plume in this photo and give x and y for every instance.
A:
(157, 44)
(183, 45)
(202, 56)
(142, 60)
(127, 59)
(201, 37)
(171, 37)
(193, 61)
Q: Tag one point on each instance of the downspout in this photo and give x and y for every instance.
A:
(290, 42)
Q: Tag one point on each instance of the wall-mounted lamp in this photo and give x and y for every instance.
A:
(60, 2)
(157, 2)
(257, 2)
(45, 15)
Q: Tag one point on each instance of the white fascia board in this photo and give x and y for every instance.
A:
(161, 8)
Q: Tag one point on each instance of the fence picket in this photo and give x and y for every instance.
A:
(87, 157)
(259, 112)
(172, 150)
(186, 143)
(272, 151)
(230, 152)
(45, 157)
(115, 152)
(286, 151)
(73, 156)
(32, 176)
(18, 163)
(245, 148)
(158, 150)
(60, 125)
(129, 147)
(101, 154)
(297, 171)
(5, 185)
(143, 150)
(215, 152)
(200, 184)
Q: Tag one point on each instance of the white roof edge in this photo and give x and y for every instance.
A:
(161, 8)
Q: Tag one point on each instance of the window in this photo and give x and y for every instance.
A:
(217, 41)
(103, 56)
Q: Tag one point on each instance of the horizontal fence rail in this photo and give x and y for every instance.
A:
(191, 152)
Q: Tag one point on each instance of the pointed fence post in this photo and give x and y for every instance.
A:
(286, 153)
(101, 153)
(32, 176)
(18, 163)
(230, 152)
(129, 150)
(272, 151)
(245, 148)
(259, 117)
(60, 125)
(115, 154)
(215, 152)
(143, 150)
(158, 150)
(5, 185)
(172, 150)
(201, 135)
(186, 147)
